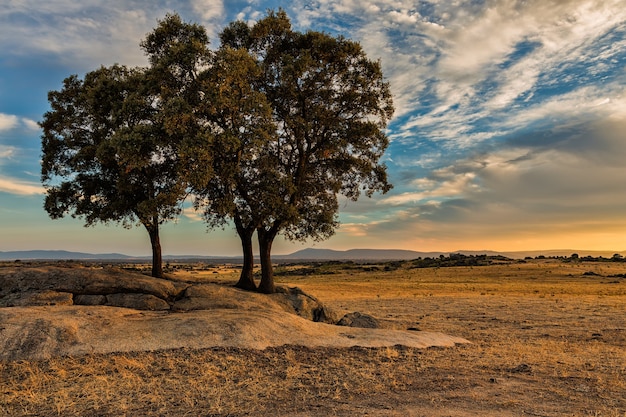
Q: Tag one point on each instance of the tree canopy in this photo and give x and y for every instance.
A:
(329, 106)
(266, 131)
(122, 144)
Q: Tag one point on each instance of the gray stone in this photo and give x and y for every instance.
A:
(37, 298)
(304, 305)
(90, 300)
(137, 301)
(84, 280)
(357, 319)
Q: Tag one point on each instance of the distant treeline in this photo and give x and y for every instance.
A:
(576, 258)
(336, 267)
(458, 259)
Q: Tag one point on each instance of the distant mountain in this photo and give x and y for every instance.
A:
(356, 254)
(559, 252)
(310, 254)
(59, 254)
(397, 254)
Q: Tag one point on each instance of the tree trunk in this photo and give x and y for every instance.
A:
(266, 238)
(155, 242)
(246, 279)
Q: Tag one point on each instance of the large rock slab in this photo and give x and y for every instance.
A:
(54, 285)
(37, 298)
(290, 300)
(47, 331)
(53, 311)
(83, 280)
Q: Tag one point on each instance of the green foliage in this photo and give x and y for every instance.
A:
(322, 136)
(458, 259)
(266, 131)
(122, 144)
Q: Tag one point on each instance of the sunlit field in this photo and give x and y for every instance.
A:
(548, 339)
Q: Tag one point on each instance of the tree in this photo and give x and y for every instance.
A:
(240, 118)
(330, 105)
(122, 144)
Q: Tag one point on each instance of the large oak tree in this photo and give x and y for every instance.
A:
(329, 107)
(122, 144)
(242, 126)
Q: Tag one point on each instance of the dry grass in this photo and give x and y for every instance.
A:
(547, 341)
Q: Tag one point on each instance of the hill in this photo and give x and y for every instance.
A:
(356, 254)
(398, 254)
(309, 254)
(59, 254)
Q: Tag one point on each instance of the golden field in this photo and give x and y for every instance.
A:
(548, 339)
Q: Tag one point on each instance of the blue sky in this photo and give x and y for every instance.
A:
(509, 132)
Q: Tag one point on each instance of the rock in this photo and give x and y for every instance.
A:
(37, 338)
(90, 300)
(137, 301)
(290, 300)
(304, 305)
(80, 285)
(357, 319)
(84, 280)
(37, 298)
(209, 297)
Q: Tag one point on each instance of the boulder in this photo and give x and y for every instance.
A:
(88, 286)
(211, 296)
(37, 298)
(137, 301)
(90, 300)
(357, 319)
(84, 280)
(304, 305)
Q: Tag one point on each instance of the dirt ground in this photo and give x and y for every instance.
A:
(548, 339)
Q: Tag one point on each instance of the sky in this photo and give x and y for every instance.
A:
(509, 132)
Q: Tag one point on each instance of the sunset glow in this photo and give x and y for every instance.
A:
(509, 132)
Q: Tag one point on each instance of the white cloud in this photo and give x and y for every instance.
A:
(192, 214)
(589, 102)
(30, 124)
(8, 121)
(451, 186)
(208, 9)
(6, 152)
(18, 187)
(82, 34)
(476, 67)
(11, 121)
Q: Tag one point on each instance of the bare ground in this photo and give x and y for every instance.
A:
(548, 339)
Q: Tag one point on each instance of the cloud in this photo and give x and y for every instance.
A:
(6, 152)
(494, 59)
(209, 10)
(448, 187)
(559, 180)
(8, 122)
(30, 124)
(79, 34)
(19, 187)
(192, 214)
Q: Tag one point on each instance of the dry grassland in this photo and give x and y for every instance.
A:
(548, 340)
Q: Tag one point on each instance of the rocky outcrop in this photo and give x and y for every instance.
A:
(74, 311)
(51, 285)
(357, 319)
(304, 305)
(78, 285)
